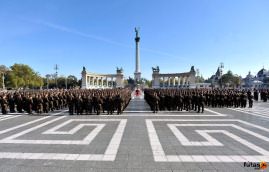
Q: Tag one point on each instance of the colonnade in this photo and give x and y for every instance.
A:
(96, 81)
(175, 80)
(170, 80)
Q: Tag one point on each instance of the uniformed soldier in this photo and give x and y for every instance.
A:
(156, 100)
(201, 103)
(11, 103)
(45, 104)
(39, 102)
(4, 104)
(118, 102)
(256, 94)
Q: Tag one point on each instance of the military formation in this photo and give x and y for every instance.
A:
(78, 101)
(110, 101)
(197, 99)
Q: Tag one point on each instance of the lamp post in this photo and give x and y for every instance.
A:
(56, 68)
(221, 70)
(48, 76)
(66, 83)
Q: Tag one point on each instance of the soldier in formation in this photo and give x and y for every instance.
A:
(264, 94)
(197, 99)
(77, 101)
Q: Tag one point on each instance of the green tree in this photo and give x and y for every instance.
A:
(72, 81)
(199, 79)
(23, 76)
(230, 80)
(236, 81)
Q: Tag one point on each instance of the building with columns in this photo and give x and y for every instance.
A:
(173, 80)
(101, 81)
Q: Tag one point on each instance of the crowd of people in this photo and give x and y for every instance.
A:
(197, 99)
(80, 101)
(77, 101)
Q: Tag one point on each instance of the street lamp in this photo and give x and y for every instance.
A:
(221, 70)
(56, 68)
(48, 76)
(65, 82)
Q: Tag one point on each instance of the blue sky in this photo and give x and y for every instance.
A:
(99, 34)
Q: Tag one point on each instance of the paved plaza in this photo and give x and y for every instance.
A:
(220, 139)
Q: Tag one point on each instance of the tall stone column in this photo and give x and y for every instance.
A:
(137, 74)
(174, 81)
(168, 81)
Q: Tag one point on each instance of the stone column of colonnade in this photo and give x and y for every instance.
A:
(174, 81)
(111, 85)
(102, 83)
(178, 81)
(184, 80)
(106, 82)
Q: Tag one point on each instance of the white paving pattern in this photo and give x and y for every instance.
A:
(160, 156)
(109, 154)
(255, 111)
(6, 117)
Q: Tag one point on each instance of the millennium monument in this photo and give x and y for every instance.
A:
(137, 73)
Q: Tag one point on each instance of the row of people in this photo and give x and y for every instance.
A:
(77, 101)
(264, 94)
(196, 99)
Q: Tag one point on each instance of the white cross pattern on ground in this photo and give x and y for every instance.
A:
(160, 156)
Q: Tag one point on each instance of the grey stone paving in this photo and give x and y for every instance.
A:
(137, 105)
(135, 151)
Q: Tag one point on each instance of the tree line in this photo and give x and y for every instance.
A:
(22, 76)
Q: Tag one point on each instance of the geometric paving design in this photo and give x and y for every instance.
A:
(160, 156)
(109, 154)
(220, 139)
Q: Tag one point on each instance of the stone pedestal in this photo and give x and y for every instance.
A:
(119, 79)
(156, 79)
(84, 79)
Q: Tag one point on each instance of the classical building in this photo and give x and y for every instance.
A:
(258, 81)
(214, 79)
(173, 80)
(99, 81)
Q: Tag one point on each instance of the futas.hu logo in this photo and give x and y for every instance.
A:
(256, 165)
